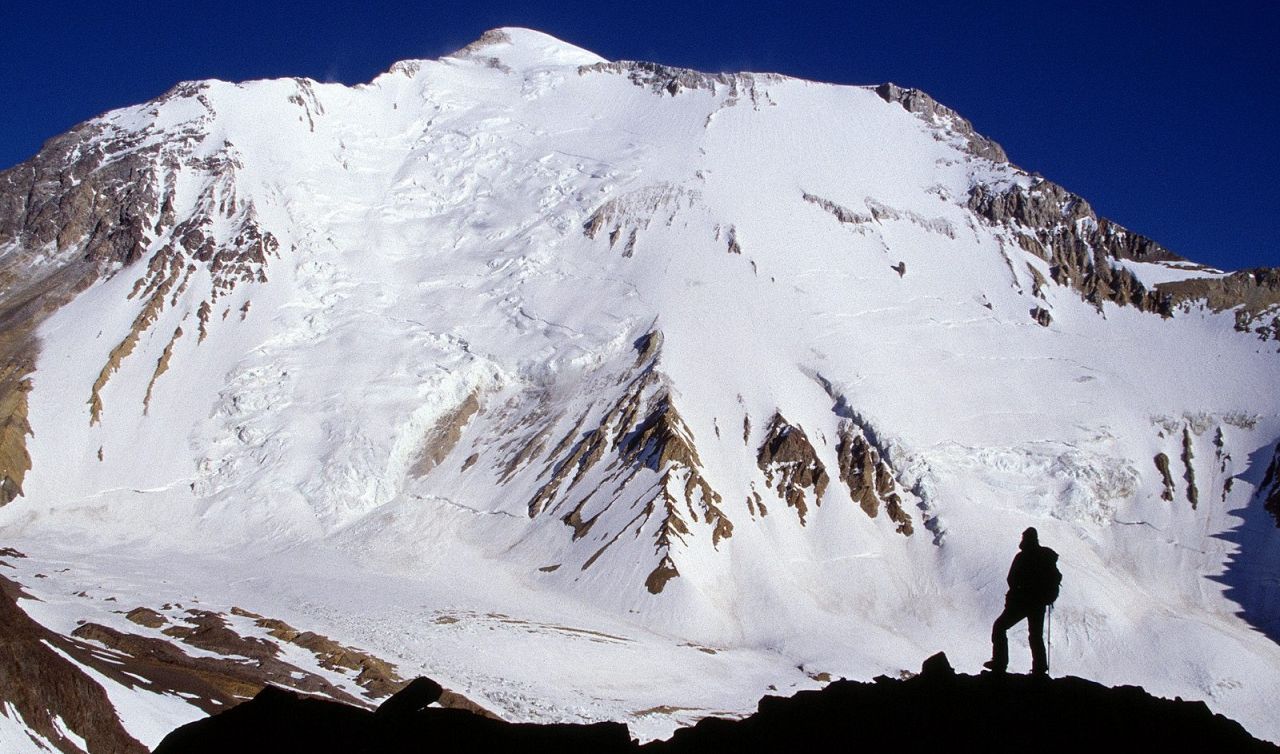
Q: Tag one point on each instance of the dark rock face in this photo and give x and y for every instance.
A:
(1270, 489)
(376, 676)
(15, 384)
(936, 710)
(841, 214)
(102, 193)
(225, 678)
(211, 683)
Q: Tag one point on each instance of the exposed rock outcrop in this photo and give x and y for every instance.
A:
(74, 211)
(791, 466)
(642, 430)
(225, 670)
(1189, 471)
(664, 443)
(628, 214)
(487, 39)
(916, 101)
(92, 203)
(48, 692)
(43, 675)
(212, 683)
(145, 616)
(840, 213)
(1162, 464)
(879, 212)
(162, 366)
(869, 477)
(1254, 294)
(91, 192)
(23, 306)
(230, 257)
(377, 676)
(658, 577)
(665, 79)
(205, 657)
(443, 436)
(143, 322)
(15, 461)
(1081, 248)
(103, 194)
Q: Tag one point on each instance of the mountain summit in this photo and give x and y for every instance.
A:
(523, 49)
(611, 390)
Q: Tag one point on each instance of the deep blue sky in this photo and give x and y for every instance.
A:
(1162, 118)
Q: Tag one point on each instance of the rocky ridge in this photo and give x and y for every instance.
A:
(943, 117)
(932, 710)
(1085, 251)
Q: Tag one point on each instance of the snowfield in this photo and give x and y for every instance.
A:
(484, 260)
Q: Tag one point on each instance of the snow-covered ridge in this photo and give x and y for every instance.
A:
(733, 362)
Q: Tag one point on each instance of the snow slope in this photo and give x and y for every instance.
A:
(503, 341)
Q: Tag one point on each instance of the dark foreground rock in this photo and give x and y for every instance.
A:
(283, 722)
(934, 711)
(941, 711)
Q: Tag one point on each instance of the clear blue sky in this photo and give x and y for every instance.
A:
(1163, 117)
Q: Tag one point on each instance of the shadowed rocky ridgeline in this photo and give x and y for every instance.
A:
(934, 711)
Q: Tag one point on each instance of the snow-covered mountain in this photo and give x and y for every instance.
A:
(608, 390)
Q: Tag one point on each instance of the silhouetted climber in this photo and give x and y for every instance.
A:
(1033, 585)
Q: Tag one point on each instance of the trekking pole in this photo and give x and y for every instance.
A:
(1048, 655)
